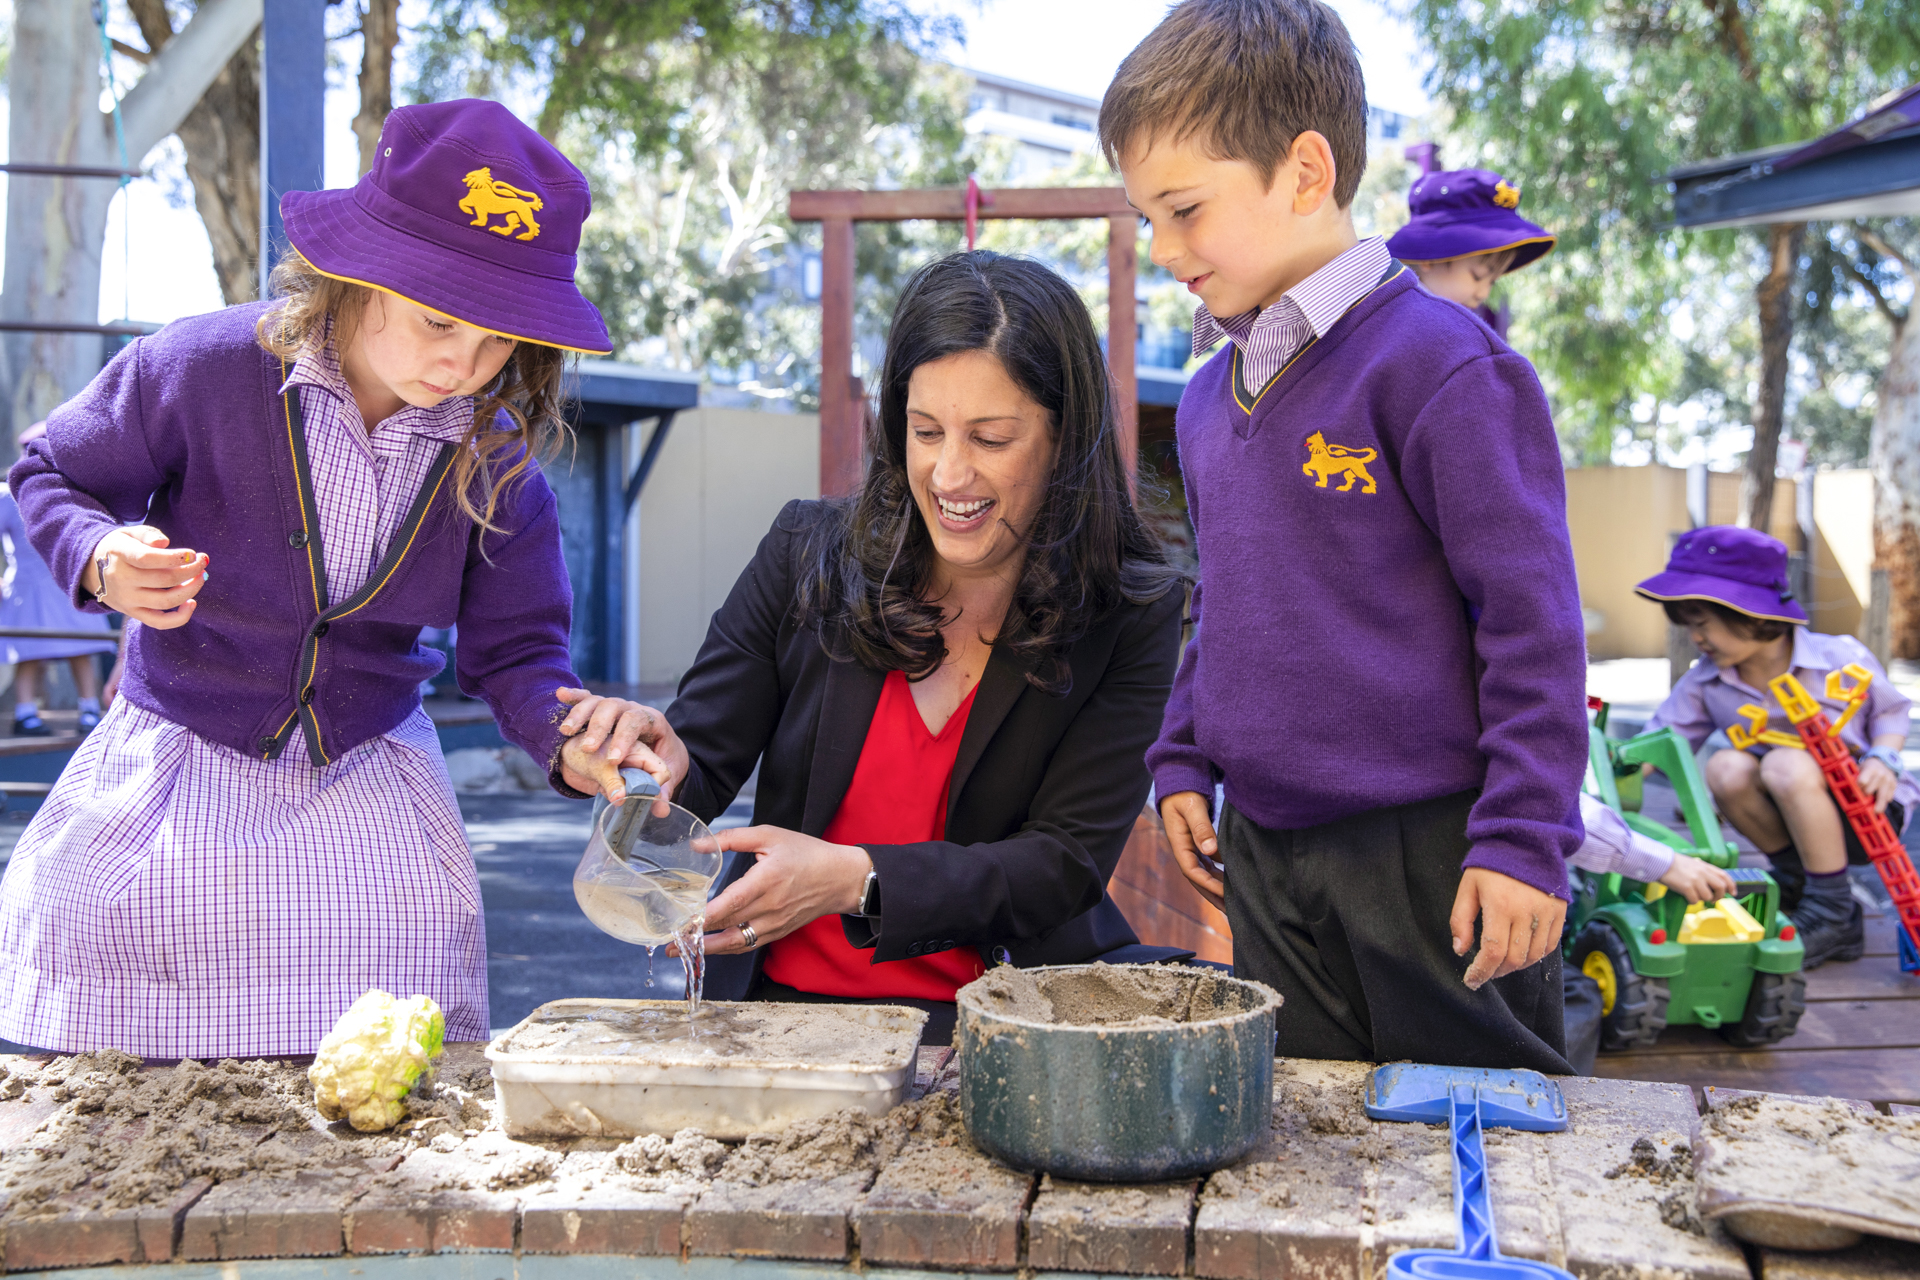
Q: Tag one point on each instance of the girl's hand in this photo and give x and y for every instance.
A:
(1697, 880)
(146, 579)
(797, 880)
(1878, 782)
(606, 735)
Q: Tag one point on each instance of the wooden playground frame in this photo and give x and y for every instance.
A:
(841, 393)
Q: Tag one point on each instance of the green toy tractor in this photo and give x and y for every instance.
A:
(1733, 965)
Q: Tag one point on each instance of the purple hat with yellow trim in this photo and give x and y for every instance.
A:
(466, 211)
(1461, 212)
(1742, 569)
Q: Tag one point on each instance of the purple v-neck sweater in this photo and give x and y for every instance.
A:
(185, 431)
(1397, 481)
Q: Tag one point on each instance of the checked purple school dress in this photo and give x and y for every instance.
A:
(175, 897)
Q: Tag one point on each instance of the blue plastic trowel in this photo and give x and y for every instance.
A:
(1467, 1099)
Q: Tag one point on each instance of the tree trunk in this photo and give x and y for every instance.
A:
(1896, 488)
(55, 226)
(221, 137)
(1775, 296)
(379, 32)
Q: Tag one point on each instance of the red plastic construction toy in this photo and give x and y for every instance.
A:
(1877, 835)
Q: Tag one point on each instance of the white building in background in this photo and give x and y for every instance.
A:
(1051, 126)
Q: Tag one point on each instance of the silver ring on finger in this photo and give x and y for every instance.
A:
(751, 938)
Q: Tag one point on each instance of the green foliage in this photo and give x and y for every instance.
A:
(694, 120)
(1587, 104)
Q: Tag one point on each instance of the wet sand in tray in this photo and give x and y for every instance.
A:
(1125, 997)
(759, 1033)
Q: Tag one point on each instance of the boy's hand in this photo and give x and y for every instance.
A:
(1519, 924)
(1878, 782)
(1189, 828)
(1697, 880)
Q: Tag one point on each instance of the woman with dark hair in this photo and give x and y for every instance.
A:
(949, 679)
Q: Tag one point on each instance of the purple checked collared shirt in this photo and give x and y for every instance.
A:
(1709, 698)
(1268, 337)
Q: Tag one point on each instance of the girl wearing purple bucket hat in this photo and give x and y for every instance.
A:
(1465, 235)
(262, 827)
(1729, 588)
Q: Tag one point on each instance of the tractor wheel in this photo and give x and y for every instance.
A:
(1633, 1008)
(1773, 1012)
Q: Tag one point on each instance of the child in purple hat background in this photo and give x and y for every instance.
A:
(262, 827)
(1464, 236)
(1729, 588)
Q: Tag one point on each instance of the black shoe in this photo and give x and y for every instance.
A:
(1830, 935)
(1791, 875)
(31, 727)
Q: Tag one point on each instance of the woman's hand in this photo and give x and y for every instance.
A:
(146, 579)
(606, 735)
(796, 880)
(1697, 880)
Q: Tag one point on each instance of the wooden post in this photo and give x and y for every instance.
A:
(1122, 322)
(839, 406)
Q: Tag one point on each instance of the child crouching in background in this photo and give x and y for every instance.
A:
(1729, 588)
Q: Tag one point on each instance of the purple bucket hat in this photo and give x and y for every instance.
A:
(468, 212)
(1742, 569)
(1461, 212)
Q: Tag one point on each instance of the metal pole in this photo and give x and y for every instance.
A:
(293, 90)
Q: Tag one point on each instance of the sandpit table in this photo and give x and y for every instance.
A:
(1329, 1194)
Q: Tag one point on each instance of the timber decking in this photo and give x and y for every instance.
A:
(1859, 1038)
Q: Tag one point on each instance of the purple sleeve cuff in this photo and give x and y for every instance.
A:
(1542, 870)
(1173, 777)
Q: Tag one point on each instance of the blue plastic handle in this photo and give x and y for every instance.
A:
(1909, 954)
(1478, 1257)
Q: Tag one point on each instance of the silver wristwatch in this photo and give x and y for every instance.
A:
(870, 896)
(1888, 757)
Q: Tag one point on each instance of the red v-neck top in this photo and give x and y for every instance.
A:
(898, 796)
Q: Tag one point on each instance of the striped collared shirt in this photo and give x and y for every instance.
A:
(364, 482)
(1270, 337)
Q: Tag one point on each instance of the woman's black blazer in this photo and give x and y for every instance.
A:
(1045, 788)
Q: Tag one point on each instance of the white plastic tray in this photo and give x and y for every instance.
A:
(554, 1094)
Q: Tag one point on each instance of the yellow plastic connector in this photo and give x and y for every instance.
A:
(1854, 695)
(1794, 698)
(1724, 921)
(1755, 730)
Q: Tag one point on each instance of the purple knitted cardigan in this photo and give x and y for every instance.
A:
(1386, 610)
(186, 431)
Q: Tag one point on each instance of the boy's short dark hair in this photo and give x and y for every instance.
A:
(1246, 77)
(1684, 613)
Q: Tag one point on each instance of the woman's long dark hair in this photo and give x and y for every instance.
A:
(1087, 551)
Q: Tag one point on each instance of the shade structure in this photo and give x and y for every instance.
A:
(1868, 169)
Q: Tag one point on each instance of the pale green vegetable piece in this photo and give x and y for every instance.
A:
(373, 1056)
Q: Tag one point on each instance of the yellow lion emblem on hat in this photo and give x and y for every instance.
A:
(486, 197)
(1503, 195)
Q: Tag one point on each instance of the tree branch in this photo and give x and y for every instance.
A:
(126, 50)
(1876, 242)
(1895, 317)
(1733, 32)
(182, 70)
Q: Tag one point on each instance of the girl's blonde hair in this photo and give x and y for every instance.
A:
(527, 389)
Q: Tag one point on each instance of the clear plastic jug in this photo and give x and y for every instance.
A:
(645, 877)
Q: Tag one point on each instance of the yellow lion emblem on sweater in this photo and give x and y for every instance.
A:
(1328, 460)
(486, 197)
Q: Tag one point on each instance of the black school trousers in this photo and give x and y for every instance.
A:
(1348, 921)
